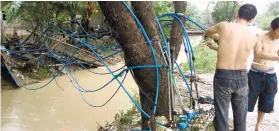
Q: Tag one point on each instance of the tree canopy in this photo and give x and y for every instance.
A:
(224, 11)
(264, 20)
(31, 13)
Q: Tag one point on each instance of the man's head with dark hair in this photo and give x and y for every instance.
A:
(275, 28)
(275, 24)
(247, 12)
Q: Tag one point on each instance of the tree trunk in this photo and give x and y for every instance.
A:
(72, 25)
(3, 39)
(137, 51)
(85, 25)
(145, 13)
(176, 32)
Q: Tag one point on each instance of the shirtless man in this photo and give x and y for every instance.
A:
(230, 80)
(262, 78)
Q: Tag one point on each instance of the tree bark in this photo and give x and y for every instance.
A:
(137, 51)
(2, 31)
(176, 32)
(145, 13)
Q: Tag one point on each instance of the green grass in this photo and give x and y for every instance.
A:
(210, 127)
(42, 73)
(125, 119)
(205, 60)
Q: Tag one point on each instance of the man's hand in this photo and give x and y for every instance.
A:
(215, 36)
(211, 46)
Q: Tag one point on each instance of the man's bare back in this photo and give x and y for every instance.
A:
(235, 45)
(230, 79)
(265, 45)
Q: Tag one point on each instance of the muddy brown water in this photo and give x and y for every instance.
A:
(52, 109)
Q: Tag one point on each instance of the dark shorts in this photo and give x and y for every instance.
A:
(263, 86)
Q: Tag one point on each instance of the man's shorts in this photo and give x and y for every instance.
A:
(264, 86)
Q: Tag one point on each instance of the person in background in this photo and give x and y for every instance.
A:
(262, 79)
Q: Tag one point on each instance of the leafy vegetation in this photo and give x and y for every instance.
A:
(33, 13)
(163, 7)
(192, 12)
(42, 74)
(264, 20)
(195, 14)
(225, 11)
(126, 119)
(205, 60)
(160, 8)
(30, 14)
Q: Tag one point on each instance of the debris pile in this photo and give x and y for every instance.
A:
(42, 54)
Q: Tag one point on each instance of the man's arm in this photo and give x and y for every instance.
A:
(261, 55)
(213, 32)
